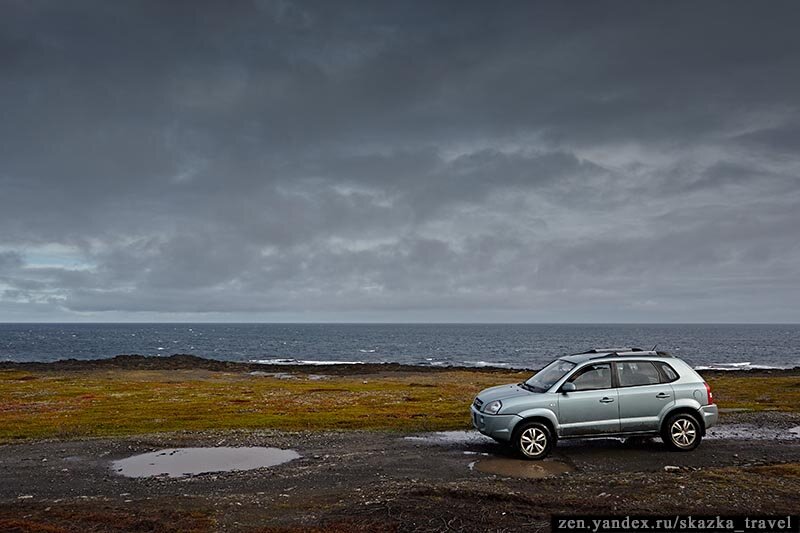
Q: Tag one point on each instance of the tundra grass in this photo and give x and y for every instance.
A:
(66, 404)
(773, 393)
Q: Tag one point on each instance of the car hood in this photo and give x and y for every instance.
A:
(502, 392)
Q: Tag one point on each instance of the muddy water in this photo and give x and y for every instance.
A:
(450, 438)
(520, 468)
(179, 462)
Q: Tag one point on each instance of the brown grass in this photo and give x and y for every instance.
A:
(65, 404)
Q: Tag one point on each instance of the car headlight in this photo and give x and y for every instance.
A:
(493, 407)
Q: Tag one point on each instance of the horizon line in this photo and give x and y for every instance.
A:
(410, 323)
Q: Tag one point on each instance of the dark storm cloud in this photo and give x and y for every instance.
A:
(275, 159)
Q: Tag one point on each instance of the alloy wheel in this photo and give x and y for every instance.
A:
(683, 432)
(533, 441)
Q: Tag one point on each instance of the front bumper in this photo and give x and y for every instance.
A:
(710, 415)
(499, 427)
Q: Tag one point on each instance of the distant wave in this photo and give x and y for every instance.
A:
(481, 364)
(428, 362)
(744, 365)
(302, 362)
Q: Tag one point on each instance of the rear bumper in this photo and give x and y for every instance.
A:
(499, 427)
(710, 415)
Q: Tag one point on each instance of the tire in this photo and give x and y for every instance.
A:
(534, 441)
(682, 432)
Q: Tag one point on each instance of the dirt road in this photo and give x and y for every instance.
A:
(456, 481)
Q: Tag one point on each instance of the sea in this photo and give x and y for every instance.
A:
(525, 346)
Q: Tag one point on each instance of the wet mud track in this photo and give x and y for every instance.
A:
(372, 481)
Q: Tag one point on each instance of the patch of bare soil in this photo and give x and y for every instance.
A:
(377, 481)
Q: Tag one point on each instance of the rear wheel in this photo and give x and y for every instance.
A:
(682, 432)
(534, 441)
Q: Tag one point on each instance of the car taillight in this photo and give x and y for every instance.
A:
(710, 395)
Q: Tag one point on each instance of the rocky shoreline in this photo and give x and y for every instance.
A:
(189, 362)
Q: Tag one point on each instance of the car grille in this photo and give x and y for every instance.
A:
(478, 404)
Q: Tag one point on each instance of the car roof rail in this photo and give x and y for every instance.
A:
(610, 350)
(634, 353)
(624, 352)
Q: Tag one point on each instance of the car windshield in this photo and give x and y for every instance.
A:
(547, 377)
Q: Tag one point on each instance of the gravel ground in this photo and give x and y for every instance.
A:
(379, 481)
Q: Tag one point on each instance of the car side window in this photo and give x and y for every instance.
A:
(633, 373)
(596, 376)
(668, 372)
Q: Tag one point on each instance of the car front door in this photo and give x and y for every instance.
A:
(642, 395)
(592, 408)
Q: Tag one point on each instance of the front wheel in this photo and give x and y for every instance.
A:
(534, 441)
(682, 432)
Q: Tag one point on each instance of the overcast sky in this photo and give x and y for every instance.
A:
(399, 161)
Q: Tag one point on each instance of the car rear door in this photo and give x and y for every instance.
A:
(642, 395)
(592, 408)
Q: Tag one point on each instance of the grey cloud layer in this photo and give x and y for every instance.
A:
(275, 160)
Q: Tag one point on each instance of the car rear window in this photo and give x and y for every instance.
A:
(668, 372)
(633, 373)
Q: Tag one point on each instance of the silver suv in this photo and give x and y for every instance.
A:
(599, 393)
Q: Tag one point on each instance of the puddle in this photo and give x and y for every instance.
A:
(450, 438)
(520, 468)
(725, 431)
(179, 462)
(751, 432)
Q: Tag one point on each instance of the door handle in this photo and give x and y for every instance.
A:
(607, 400)
(662, 395)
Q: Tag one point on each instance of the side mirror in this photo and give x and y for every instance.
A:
(568, 387)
